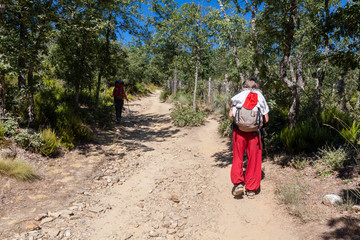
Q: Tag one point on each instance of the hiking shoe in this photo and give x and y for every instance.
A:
(238, 189)
(250, 194)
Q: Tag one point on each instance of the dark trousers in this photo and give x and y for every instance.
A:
(119, 103)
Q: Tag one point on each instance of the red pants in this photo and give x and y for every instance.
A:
(251, 143)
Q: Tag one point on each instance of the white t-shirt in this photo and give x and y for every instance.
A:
(239, 99)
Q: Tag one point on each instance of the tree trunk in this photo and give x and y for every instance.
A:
(341, 88)
(291, 84)
(2, 95)
(175, 81)
(196, 77)
(106, 60)
(31, 107)
(321, 76)
(209, 91)
(226, 92)
(98, 89)
(232, 43)
(21, 59)
(253, 10)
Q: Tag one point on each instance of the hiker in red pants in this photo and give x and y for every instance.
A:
(249, 111)
(119, 95)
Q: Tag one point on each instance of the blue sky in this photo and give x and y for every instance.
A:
(206, 3)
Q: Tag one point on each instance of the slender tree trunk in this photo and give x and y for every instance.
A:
(209, 91)
(232, 43)
(321, 74)
(254, 10)
(341, 88)
(2, 95)
(21, 59)
(175, 81)
(196, 77)
(226, 92)
(98, 88)
(291, 84)
(106, 60)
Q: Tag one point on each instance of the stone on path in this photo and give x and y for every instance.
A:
(331, 200)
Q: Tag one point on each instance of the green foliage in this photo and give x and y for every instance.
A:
(29, 140)
(299, 162)
(10, 126)
(305, 137)
(352, 133)
(51, 145)
(17, 169)
(2, 132)
(165, 93)
(182, 98)
(224, 128)
(333, 158)
(186, 116)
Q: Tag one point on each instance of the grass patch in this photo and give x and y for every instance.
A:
(293, 195)
(18, 169)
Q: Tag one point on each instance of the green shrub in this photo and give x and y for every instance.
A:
(333, 158)
(51, 145)
(305, 137)
(186, 116)
(299, 162)
(224, 128)
(352, 133)
(181, 98)
(10, 126)
(64, 125)
(29, 140)
(2, 132)
(165, 93)
(82, 131)
(18, 169)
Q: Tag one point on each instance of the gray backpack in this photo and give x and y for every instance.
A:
(248, 120)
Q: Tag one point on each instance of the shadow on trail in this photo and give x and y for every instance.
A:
(133, 133)
(345, 228)
(224, 158)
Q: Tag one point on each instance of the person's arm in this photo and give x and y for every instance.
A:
(266, 118)
(231, 112)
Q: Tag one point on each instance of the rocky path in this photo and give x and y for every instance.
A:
(157, 181)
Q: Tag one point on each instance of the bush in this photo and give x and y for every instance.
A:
(224, 128)
(299, 162)
(2, 132)
(51, 144)
(186, 116)
(29, 140)
(18, 169)
(333, 158)
(305, 137)
(10, 126)
(165, 93)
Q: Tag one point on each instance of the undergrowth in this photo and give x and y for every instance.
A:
(17, 169)
(186, 116)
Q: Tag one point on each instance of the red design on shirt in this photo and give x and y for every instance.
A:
(251, 101)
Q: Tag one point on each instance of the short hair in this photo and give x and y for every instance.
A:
(250, 83)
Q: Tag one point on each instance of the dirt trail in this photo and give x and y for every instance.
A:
(182, 189)
(147, 179)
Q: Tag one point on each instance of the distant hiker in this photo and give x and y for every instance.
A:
(119, 96)
(249, 111)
